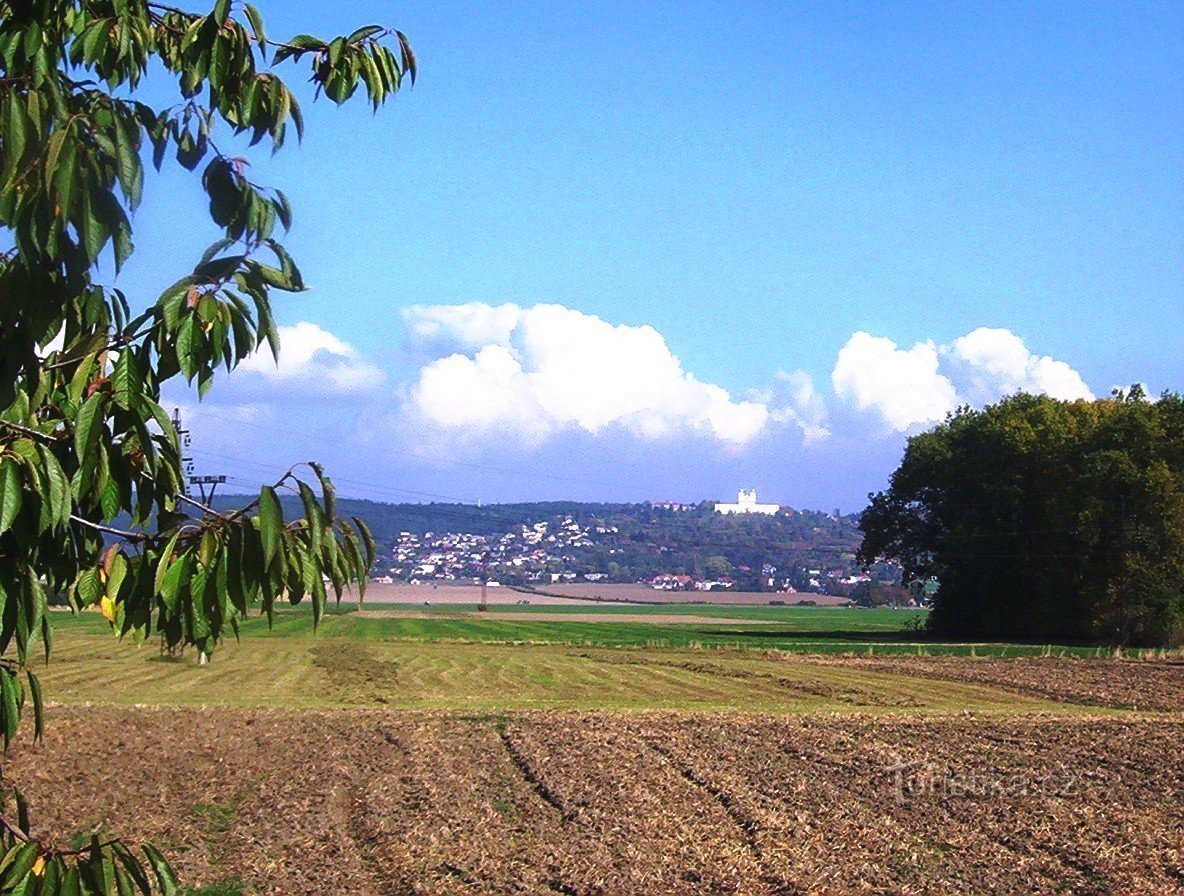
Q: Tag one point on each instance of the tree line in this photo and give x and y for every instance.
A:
(1044, 520)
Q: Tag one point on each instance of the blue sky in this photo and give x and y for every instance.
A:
(628, 251)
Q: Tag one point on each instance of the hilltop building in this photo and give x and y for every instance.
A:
(746, 503)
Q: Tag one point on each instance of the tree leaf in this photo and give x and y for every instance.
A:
(22, 811)
(271, 523)
(256, 22)
(87, 428)
(10, 492)
(165, 879)
(11, 706)
(38, 705)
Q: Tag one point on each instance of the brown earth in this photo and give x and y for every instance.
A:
(542, 616)
(588, 592)
(373, 802)
(1116, 683)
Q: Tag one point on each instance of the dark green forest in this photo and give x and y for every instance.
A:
(1044, 520)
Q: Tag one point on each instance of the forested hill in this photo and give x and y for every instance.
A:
(629, 541)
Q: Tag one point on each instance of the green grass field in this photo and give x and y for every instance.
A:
(789, 629)
(745, 658)
(328, 672)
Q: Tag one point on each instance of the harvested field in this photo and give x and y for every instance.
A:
(400, 593)
(332, 672)
(602, 618)
(382, 802)
(589, 593)
(1122, 684)
(646, 594)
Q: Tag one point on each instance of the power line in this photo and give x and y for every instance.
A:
(489, 468)
(213, 481)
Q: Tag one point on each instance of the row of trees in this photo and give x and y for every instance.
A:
(1045, 520)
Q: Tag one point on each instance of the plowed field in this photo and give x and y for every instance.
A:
(392, 802)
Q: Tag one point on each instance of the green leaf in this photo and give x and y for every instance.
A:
(87, 428)
(60, 501)
(71, 883)
(22, 811)
(9, 699)
(110, 498)
(174, 578)
(22, 863)
(134, 868)
(116, 574)
(364, 32)
(335, 48)
(367, 539)
(165, 879)
(127, 380)
(256, 22)
(162, 564)
(328, 493)
(271, 523)
(10, 493)
(38, 705)
(9, 857)
(88, 588)
(312, 512)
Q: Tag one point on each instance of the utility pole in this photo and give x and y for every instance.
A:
(483, 607)
(186, 460)
(189, 479)
(212, 481)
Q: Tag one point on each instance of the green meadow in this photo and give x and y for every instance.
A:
(742, 658)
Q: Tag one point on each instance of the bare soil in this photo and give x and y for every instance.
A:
(588, 592)
(1117, 683)
(403, 802)
(528, 616)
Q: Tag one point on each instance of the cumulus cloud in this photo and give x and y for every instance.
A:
(795, 400)
(912, 387)
(444, 329)
(534, 372)
(903, 386)
(316, 361)
(990, 362)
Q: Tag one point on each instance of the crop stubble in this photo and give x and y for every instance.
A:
(372, 801)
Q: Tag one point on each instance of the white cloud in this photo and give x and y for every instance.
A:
(534, 372)
(795, 400)
(316, 361)
(443, 329)
(991, 362)
(906, 388)
(903, 386)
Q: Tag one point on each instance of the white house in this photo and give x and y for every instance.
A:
(746, 503)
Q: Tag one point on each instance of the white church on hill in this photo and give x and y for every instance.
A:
(746, 503)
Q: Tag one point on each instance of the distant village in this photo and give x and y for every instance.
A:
(562, 550)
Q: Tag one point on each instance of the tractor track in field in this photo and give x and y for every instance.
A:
(376, 802)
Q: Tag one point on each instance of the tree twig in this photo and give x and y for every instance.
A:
(111, 530)
(31, 433)
(203, 507)
(14, 830)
